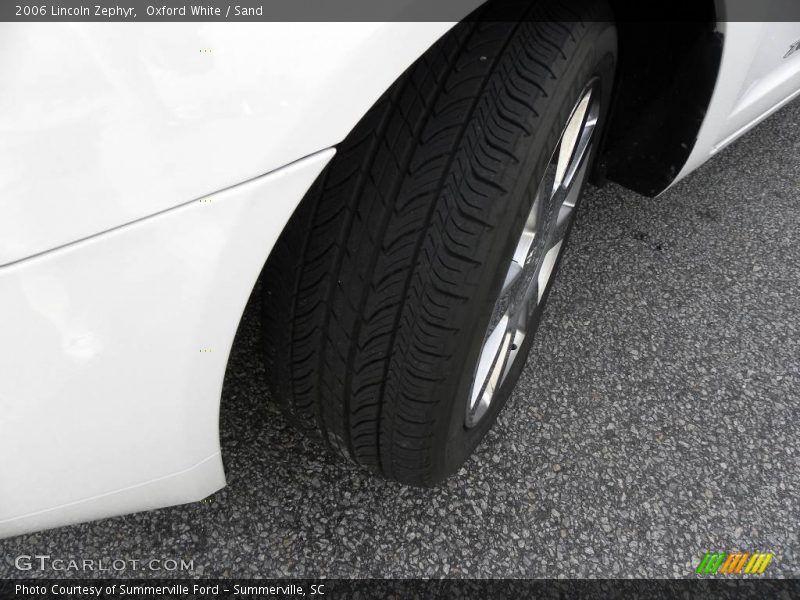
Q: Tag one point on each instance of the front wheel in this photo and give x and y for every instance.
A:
(402, 298)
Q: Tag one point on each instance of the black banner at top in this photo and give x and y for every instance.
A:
(368, 10)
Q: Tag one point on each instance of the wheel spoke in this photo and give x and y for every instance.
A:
(491, 368)
(547, 269)
(566, 211)
(582, 151)
(512, 277)
(572, 138)
(550, 181)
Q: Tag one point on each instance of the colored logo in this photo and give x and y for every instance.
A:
(734, 563)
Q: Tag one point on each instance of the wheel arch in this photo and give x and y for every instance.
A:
(669, 61)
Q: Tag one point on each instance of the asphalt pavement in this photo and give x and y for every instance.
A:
(656, 420)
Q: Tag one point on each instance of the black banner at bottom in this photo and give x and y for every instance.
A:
(334, 589)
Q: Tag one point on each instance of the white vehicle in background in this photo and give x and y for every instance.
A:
(410, 187)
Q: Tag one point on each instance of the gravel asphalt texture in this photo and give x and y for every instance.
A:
(657, 418)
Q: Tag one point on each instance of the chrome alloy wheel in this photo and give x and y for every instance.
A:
(536, 252)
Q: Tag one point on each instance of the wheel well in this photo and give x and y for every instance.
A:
(667, 72)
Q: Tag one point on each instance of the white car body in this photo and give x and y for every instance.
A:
(142, 187)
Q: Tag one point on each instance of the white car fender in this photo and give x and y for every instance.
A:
(106, 123)
(113, 353)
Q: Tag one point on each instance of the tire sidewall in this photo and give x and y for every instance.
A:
(595, 56)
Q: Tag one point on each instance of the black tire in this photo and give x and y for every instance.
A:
(378, 294)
